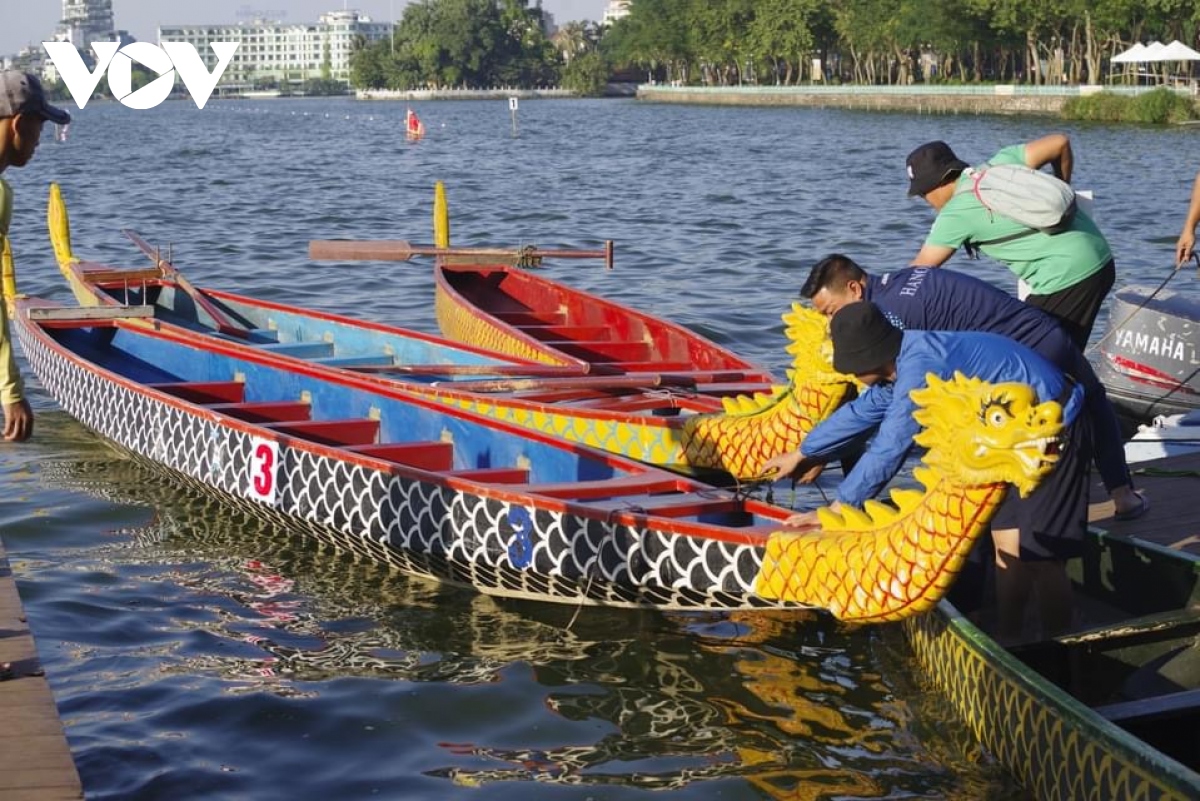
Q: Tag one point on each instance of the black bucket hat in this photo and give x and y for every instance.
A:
(930, 165)
(863, 339)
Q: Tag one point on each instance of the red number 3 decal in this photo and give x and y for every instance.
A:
(263, 467)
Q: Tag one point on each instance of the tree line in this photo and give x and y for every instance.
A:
(486, 43)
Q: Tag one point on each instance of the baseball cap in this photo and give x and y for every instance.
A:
(21, 93)
(863, 339)
(929, 165)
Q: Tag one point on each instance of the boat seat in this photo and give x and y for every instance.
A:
(531, 318)
(1148, 710)
(734, 388)
(569, 333)
(203, 392)
(353, 431)
(118, 277)
(493, 475)
(604, 350)
(609, 487)
(435, 456)
(627, 366)
(265, 411)
(255, 336)
(636, 402)
(690, 504)
(361, 360)
(299, 350)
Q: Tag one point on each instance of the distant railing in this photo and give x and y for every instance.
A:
(451, 93)
(990, 90)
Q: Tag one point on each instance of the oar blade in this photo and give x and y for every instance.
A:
(357, 250)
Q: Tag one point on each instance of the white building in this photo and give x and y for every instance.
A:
(286, 53)
(84, 22)
(615, 10)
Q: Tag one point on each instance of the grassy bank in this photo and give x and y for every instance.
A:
(1160, 107)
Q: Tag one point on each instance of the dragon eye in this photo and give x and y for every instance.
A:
(996, 416)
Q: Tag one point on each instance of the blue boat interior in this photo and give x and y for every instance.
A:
(400, 430)
(322, 341)
(393, 355)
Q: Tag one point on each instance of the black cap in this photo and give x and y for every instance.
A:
(929, 166)
(863, 339)
(21, 93)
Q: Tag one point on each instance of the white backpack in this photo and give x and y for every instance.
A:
(1037, 200)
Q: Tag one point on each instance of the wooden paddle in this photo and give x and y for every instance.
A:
(169, 271)
(595, 382)
(399, 250)
(522, 370)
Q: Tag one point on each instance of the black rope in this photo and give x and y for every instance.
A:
(1112, 329)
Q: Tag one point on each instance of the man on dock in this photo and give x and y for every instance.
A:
(23, 111)
(1068, 273)
(944, 300)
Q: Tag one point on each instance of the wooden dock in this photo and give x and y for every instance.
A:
(1172, 486)
(35, 760)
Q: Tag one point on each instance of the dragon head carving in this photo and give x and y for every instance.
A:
(981, 433)
(753, 428)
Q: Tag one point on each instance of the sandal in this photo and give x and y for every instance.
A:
(1137, 511)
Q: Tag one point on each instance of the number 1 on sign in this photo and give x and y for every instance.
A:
(512, 108)
(264, 469)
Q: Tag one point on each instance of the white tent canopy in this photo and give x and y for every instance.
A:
(1178, 51)
(1132, 55)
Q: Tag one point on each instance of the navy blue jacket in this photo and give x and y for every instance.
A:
(937, 299)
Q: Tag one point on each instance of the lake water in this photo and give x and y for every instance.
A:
(198, 653)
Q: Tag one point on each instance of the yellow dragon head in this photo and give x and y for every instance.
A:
(753, 428)
(980, 433)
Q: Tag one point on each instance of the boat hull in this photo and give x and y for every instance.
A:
(1148, 359)
(1055, 745)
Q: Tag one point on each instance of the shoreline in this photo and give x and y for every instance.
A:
(999, 99)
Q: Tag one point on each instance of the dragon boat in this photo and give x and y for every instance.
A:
(696, 422)
(451, 494)
(497, 299)
(1107, 710)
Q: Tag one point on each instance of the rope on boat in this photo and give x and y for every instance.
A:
(1113, 328)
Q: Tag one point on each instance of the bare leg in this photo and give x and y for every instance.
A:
(1014, 584)
(1055, 597)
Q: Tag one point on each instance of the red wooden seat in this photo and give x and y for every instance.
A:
(435, 456)
(355, 431)
(204, 391)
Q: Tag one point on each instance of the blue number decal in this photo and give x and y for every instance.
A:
(520, 550)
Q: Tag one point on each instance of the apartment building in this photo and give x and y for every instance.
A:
(283, 53)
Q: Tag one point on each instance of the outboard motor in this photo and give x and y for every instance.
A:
(1147, 359)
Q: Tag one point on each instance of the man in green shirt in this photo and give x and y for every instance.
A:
(1068, 273)
(23, 110)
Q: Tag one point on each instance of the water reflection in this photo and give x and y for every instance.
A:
(783, 706)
